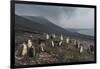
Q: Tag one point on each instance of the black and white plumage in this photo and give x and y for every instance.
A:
(67, 40)
(22, 51)
(81, 49)
(61, 37)
(31, 48)
(79, 44)
(47, 36)
(52, 43)
(75, 42)
(53, 36)
(91, 48)
(42, 45)
(25, 50)
(60, 43)
(29, 43)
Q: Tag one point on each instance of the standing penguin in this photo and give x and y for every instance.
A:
(91, 48)
(60, 43)
(30, 48)
(67, 40)
(79, 44)
(47, 36)
(81, 48)
(54, 36)
(52, 43)
(22, 51)
(29, 43)
(75, 42)
(61, 38)
(42, 45)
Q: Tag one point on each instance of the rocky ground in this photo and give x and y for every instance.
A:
(66, 53)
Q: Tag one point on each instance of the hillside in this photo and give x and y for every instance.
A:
(39, 24)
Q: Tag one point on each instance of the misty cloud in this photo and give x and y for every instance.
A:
(66, 17)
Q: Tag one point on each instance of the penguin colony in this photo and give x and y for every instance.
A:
(28, 47)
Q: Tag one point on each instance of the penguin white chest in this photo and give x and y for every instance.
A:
(81, 49)
(24, 50)
(67, 40)
(29, 43)
(78, 44)
(54, 36)
(47, 36)
(42, 46)
(60, 43)
(52, 43)
(61, 37)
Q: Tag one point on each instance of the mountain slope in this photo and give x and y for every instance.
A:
(38, 24)
(47, 23)
(31, 24)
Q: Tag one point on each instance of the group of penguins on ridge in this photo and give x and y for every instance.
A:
(28, 49)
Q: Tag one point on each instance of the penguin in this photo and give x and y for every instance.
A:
(67, 40)
(91, 48)
(29, 43)
(47, 36)
(81, 49)
(61, 38)
(54, 36)
(22, 51)
(79, 44)
(60, 43)
(30, 48)
(52, 43)
(42, 45)
(75, 42)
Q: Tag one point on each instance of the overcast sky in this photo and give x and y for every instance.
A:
(66, 17)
